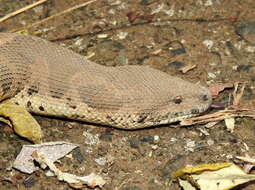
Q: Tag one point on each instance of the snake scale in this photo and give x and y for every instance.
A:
(51, 80)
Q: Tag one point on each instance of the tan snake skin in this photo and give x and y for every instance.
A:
(48, 79)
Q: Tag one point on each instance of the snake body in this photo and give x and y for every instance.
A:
(48, 79)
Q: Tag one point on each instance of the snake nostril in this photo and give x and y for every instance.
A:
(205, 97)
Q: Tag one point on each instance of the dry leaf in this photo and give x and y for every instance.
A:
(74, 181)
(217, 88)
(53, 150)
(21, 121)
(220, 176)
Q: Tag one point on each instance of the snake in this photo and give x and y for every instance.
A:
(51, 80)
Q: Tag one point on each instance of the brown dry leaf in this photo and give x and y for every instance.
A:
(217, 88)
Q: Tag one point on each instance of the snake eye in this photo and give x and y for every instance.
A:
(178, 99)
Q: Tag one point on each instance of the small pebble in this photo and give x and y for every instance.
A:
(176, 64)
(178, 51)
(122, 35)
(101, 161)
(29, 182)
(106, 137)
(146, 2)
(123, 60)
(134, 143)
(208, 3)
(49, 173)
(90, 138)
(156, 138)
(104, 160)
(118, 45)
(210, 142)
(243, 67)
(146, 138)
(78, 155)
(211, 75)
(250, 49)
(154, 147)
(190, 145)
(78, 42)
(208, 43)
(173, 139)
(101, 36)
(246, 30)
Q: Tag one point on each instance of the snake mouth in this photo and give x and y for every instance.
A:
(146, 121)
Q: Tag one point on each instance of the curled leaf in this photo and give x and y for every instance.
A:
(21, 121)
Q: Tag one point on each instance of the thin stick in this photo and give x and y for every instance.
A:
(58, 14)
(21, 10)
(238, 95)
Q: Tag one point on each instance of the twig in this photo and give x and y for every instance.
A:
(57, 15)
(238, 95)
(21, 10)
(235, 111)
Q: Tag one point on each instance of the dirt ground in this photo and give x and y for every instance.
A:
(215, 35)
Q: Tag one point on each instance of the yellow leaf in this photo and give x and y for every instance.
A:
(220, 176)
(24, 32)
(200, 168)
(21, 121)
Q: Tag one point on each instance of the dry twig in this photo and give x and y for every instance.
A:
(237, 95)
(221, 115)
(56, 15)
(22, 10)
